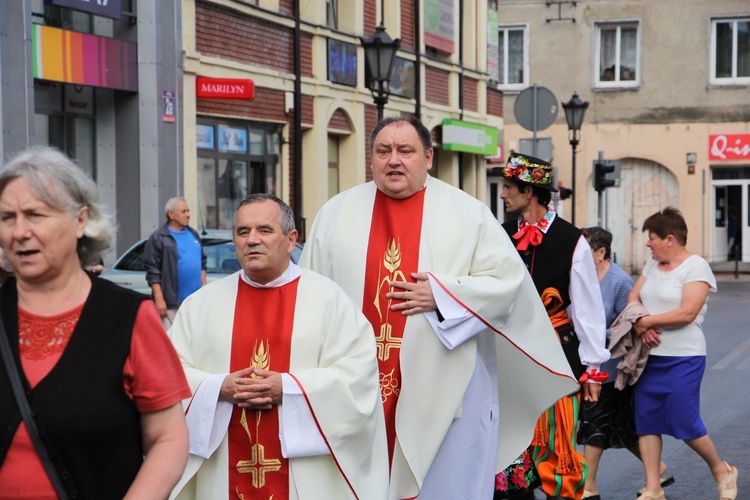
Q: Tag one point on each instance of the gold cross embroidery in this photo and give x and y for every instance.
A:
(386, 341)
(258, 466)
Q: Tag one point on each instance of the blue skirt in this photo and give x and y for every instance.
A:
(667, 397)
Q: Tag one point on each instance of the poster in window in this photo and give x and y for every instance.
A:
(403, 78)
(232, 139)
(440, 30)
(204, 136)
(342, 62)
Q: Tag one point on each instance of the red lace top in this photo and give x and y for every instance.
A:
(149, 377)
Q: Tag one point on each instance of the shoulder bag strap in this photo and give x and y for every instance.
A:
(25, 409)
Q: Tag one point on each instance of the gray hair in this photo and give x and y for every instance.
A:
(171, 205)
(62, 185)
(286, 219)
(598, 237)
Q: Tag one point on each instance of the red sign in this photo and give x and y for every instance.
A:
(225, 88)
(729, 147)
(498, 158)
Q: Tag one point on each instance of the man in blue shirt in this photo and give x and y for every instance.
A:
(175, 262)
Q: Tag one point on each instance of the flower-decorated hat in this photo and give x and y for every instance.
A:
(529, 170)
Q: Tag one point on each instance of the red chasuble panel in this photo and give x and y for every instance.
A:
(262, 338)
(392, 255)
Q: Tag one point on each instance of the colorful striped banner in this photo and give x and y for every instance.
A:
(71, 57)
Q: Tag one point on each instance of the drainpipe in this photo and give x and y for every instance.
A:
(461, 85)
(418, 62)
(297, 167)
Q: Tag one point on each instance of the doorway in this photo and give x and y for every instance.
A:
(730, 205)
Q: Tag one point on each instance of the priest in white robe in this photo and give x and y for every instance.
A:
(468, 356)
(282, 366)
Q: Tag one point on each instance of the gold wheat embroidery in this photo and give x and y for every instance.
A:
(258, 465)
(392, 263)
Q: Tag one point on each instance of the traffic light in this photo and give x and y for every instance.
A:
(600, 176)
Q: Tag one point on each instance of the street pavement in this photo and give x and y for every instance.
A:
(725, 408)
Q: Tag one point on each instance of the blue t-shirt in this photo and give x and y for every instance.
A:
(188, 263)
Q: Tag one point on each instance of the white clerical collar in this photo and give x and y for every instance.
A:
(292, 273)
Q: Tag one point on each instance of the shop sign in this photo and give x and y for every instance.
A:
(493, 43)
(342, 62)
(84, 59)
(79, 100)
(105, 8)
(225, 88)
(469, 137)
(439, 31)
(729, 147)
(47, 96)
(499, 157)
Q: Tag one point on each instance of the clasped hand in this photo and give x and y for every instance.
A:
(417, 297)
(649, 334)
(252, 388)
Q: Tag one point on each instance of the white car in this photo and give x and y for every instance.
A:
(129, 270)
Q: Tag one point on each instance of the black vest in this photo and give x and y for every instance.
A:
(89, 425)
(549, 265)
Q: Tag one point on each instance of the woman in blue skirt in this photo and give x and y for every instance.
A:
(674, 288)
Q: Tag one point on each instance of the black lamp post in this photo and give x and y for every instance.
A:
(380, 52)
(575, 110)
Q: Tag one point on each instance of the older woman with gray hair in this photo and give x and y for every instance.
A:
(89, 381)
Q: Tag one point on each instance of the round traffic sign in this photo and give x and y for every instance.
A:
(546, 108)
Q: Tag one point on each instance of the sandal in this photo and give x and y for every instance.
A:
(591, 496)
(664, 481)
(726, 493)
(647, 495)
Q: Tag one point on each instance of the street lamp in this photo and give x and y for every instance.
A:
(575, 110)
(380, 52)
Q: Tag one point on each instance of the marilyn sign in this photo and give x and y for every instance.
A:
(225, 88)
(729, 147)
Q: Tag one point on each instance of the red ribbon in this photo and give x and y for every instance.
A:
(528, 234)
(594, 376)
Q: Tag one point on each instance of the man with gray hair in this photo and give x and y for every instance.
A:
(175, 262)
(281, 362)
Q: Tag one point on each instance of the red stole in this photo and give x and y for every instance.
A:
(392, 255)
(261, 337)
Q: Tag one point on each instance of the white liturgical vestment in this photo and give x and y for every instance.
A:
(474, 385)
(331, 389)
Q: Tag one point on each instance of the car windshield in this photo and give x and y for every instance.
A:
(220, 256)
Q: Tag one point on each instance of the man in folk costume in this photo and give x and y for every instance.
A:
(282, 367)
(467, 354)
(559, 261)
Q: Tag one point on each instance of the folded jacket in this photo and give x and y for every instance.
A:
(626, 343)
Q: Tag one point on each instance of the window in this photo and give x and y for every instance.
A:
(513, 59)
(618, 55)
(730, 51)
(235, 159)
(333, 165)
(59, 17)
(332, 14)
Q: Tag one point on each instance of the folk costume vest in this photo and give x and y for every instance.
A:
(261, 338)
(90, 426)
(561, 468)
(392, 255)
(549, 264)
